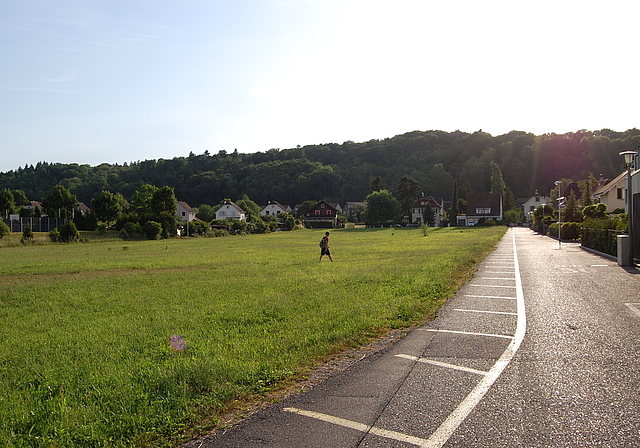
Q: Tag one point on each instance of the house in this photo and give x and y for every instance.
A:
(322, 215)
(419, 208)
(33, 205)
(481, 207)
(613, 193)
(273, 208)
(533, 203)
(83, 208)
(230, 210)
(185, 213)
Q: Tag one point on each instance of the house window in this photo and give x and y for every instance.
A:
(222, 213)
(619, 193)
(328, 212)
(483, 210)
(267, 213)
(184, 214)
(537, 199)
(321, 205)
(317, 212)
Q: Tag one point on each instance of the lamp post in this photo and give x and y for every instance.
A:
(559, 184)
(628, 160)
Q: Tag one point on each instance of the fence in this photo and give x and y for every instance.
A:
(602, 240)
(37, 224)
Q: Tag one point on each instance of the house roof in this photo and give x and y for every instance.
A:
(283, 207)
(234, 205)
(605, 188)
(186, 206)
(491, 201)
(424, 200)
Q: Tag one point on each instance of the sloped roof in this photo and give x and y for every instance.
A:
(186, 206)
(424, 200)
(488, 200)
(605, 188)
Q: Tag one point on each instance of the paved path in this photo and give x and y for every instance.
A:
(540, 349)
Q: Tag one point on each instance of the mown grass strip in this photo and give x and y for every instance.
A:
(86, 361)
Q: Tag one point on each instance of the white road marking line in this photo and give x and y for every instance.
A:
(443, 364)
(491, 297)
(497, 278)
(455, 419)
(634, 307)
(493, 286)
(360, 427)
(468, 333)
(486, 312)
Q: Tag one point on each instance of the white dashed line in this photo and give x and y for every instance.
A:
(486, 312)
(360, 427)
(634, 307)
(491, 297)
(504, 336)
(443, 364)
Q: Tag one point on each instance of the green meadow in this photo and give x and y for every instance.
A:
(85, 358)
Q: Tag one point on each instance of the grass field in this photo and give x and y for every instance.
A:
(85, 358)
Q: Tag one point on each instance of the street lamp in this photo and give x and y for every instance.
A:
(628, 160)
(560, 198)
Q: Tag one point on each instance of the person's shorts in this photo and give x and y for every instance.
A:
(325, 251)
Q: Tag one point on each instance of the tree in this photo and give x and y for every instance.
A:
(408, 192)
(27, 234)
(60, 203)
(7, 203)
(571, 211)
(497, 182)
(377, 184)
(69, 233)
(429, 216)
(4, 229)
(141, 200)
(382, 207)
(20, 197)
(453, 211)
(164, 200)
(107, 206)
(508, 201)
(206, 213)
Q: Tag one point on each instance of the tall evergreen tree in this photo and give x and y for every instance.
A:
(497, 182)
(408, 191)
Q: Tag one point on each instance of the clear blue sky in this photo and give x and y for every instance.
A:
(119, 81)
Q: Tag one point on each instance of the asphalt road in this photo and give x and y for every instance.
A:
(540, 349)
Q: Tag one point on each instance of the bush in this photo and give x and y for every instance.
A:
(27, 235)
(132, 229)
(569, 230)
(101, 228)
(4, 229)
(69, 232)
(152, 230)
(54, 235)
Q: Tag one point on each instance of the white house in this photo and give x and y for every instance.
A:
(420, 207)
(613, 194)
(533, 203)
(185, 212)
(273, 208)
(232, 211)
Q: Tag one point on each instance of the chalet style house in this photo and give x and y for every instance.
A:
(481, 207)
(323, 215)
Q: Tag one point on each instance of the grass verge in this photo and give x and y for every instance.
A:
(86, 360)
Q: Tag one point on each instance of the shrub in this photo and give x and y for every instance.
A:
(152, 230)
(54, 235)
(4, 229)
(27, 235)
(102, 228)
(569, 230)
(69, 232)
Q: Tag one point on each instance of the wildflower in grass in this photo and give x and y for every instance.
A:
(177, 343)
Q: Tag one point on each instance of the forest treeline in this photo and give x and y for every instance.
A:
(343, 172)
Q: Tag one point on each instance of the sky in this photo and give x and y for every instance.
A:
(115, 81)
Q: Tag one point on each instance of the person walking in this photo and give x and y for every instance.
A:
(324, 247)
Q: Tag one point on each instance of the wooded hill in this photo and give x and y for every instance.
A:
(343, 172)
